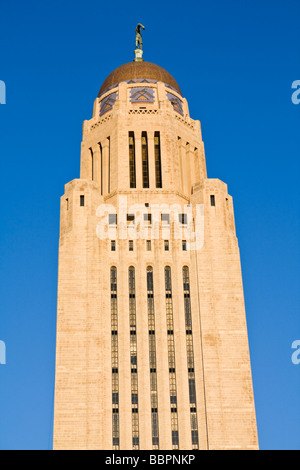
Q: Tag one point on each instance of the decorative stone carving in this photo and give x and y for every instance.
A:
(107, 103)
(142, 95)
(176, 103)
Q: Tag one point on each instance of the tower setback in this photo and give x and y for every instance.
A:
(152, 344)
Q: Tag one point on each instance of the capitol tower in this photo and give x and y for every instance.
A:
(152, 345)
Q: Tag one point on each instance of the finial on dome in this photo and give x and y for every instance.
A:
(138, 43)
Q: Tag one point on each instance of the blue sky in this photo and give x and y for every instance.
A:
(235, 62)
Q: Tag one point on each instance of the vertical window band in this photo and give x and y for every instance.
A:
(171, 358)
(101, 168)
(132, 171)
(157, 152)
(92, 163)
(152, 359)
(108, 184)
(190, 357)
(114, 359)
(145, 164)
(133, 359)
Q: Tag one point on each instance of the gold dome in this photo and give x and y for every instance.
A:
(136, 70)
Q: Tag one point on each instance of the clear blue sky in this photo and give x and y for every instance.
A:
(235, 62)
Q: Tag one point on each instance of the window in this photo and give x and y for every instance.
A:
(113, 245)
(148, 245)
(166, 245)
(157, 153)
(183, 219)
(212, 200)
(184, 245)
(165, 218)
(112, 219)
(130, 218)
(135, 442)
(192, 390)
(195, 438)
(175, 440)
(134, 399)
(145, 166)
(92, 162)
(101, 168)
(130, 245)
(81, 201)
(147, 218)
(132, 172)
(115, 398)
(155, 438)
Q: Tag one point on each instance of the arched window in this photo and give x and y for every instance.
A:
(92, 163)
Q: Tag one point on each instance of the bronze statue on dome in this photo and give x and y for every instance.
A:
(138, 36)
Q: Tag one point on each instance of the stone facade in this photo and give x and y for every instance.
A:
(108, 393)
